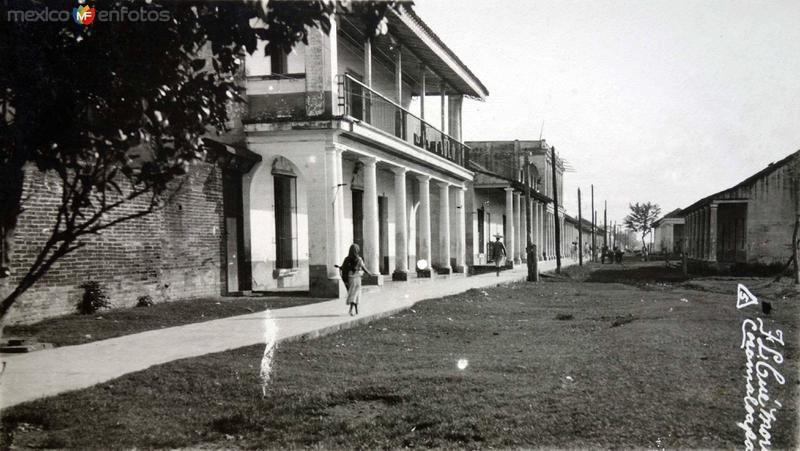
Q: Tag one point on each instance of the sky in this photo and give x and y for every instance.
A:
(659, 101)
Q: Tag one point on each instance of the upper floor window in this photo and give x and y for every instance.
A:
(278, 63)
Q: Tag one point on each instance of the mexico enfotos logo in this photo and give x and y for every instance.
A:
(85, 14)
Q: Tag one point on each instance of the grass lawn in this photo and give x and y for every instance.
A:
(562, 363)
(77, 329)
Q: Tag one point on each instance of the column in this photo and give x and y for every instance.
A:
(400, 225)
(424, 232)
(509, 238)
(703, 232)
(324, 234)
(371, 243)
(461, 231)
(535, 225)
(518, 228)
(343, 246)
(692, 236)
(712, 233)
(444, 228)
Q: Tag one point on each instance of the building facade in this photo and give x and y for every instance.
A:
(506, 159)
(751, 222)
(668, 233)
(335, 145)
(350, 155)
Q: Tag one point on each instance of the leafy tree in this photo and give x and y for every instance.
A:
(117, 111)
(641, 218)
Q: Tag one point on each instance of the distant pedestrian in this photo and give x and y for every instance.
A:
(352, 269)
(499, 253)
(604, 254)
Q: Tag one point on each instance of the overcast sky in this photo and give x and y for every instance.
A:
(662, 101)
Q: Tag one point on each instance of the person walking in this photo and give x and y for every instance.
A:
(499, 253)
(351, 270)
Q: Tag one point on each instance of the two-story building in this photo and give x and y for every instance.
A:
(350, 153)
(507, 159)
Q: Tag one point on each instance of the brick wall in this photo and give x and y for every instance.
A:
(174, 253)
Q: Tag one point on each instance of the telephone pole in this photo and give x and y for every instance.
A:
(555, 212)
(605, 223)
(594, 215)
(580, 231)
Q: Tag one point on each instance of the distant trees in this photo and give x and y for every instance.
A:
(640, 219)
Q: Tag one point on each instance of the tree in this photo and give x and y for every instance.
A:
(117, 111)
(641, 218)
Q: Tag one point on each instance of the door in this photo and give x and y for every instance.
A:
(358, 218)
(236, 274)
(480, 231)
(383, 233)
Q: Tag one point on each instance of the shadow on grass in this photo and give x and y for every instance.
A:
(637, 275)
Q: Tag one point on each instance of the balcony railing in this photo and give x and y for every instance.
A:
(360, 102)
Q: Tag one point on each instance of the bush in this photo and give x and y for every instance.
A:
(144, 301)
(94, 298)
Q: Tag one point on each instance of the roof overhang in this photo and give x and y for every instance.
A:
(420, 40)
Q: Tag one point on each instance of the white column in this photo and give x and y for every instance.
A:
(509, 238)
(712, 234)
(333, 160)
(371, 244)
(343, 245)
(518, 230)
(534, 225)
(461, 230)
(424, 232)
(401, 224)
(444, 227)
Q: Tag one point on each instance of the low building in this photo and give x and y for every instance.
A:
(668, 233)
(751, 222)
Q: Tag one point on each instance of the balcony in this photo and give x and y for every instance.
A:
(358, 101)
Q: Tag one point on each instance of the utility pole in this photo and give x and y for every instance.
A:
(605, 223)
(530, 248)
(580, 231)
(594, 214)
(555, 211)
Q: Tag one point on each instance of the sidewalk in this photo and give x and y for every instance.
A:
(49, 372)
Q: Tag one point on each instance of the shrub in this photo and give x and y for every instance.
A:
(144, 301)
(94, 298)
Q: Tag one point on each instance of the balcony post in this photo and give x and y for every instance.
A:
(422, 91)
(454, 103)
(443, 98)
(400, 115)
(367, 79)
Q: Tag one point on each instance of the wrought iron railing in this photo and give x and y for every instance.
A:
(360, 102)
